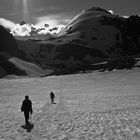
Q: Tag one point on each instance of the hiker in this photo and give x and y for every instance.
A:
(27, 108)
(52, 96)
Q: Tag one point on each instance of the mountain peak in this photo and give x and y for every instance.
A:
(97, 9)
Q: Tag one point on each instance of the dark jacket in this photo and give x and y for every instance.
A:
(27, 106)
(52, 95)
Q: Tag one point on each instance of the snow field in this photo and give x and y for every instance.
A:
(93, 106)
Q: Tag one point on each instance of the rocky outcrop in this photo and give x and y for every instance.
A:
(7, 42)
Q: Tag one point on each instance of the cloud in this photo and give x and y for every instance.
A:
(21, 30)
(43, 27)
(53, 20)
(39, 10)
(51, 8)
(7, 23)
(53, 30)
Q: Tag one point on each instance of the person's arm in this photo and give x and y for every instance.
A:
(22, 107)
(31, 109)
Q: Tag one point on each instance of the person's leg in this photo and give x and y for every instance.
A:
(52, 100)
(26, 114)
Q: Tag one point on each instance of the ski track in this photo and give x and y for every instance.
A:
(74, 117)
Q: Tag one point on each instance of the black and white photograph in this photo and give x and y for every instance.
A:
(69, 69)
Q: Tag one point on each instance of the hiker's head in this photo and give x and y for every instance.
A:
(26, 97)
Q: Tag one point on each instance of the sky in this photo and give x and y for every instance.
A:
(60, 11)
(55, 13)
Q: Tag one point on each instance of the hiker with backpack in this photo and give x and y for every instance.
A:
(52, 96)
(27, 109)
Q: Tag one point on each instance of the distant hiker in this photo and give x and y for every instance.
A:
(27, 109)
(52, 96)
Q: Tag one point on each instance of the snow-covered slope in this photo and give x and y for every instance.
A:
(88, 106)
(30, 68)
(85, 15)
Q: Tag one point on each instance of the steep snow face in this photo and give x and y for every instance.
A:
(98, 9)
(83, 16)
(92, 31)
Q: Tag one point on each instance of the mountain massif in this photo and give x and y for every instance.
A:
(94, 39)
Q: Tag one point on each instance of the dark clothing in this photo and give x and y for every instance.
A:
(52, 96)
(27, 108)
(26, 115)
(52, 100)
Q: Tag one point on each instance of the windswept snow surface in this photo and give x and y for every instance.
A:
(92, 106)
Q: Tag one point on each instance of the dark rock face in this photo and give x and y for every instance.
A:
(9, 45)
(130, 32)
(78, 52)
(8, 48)
(2, 72)
(7, 42)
